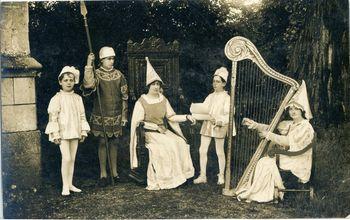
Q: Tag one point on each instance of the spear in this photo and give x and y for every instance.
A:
(83, 11)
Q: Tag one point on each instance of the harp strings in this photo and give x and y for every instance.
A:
(258, 97)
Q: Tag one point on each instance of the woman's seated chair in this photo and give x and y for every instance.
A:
(140, 173)
(290, 181)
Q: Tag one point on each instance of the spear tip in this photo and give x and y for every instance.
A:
(83, 10)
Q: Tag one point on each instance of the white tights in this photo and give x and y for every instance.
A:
(68, 150)
(203, 153)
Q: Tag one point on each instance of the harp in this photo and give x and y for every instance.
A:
(257, 92)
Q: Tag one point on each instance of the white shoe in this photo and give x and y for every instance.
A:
(74, 189)
(65, 192)
(152, 188)
(200, 179)
(221, 179)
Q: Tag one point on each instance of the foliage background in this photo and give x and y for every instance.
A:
(57, 35)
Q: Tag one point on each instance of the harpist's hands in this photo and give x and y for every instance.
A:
(251, 124)
(263, 134)
(191, 119)
(124, 123)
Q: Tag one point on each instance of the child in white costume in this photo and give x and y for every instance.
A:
(218, 103)
(67, 124)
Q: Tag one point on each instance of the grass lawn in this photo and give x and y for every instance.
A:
(129, 200)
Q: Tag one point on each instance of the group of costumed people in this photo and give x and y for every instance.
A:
(170, 164)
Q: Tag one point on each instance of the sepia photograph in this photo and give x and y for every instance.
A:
(175, 109)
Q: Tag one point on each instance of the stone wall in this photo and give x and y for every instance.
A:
(14, 19)
(18, 104)
(20, 139)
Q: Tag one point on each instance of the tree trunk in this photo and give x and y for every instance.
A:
(321, 58)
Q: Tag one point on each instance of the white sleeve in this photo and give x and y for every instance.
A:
(85, 128)
(89, 81)
(137, 117)
(278, 139)
(226, 112)
(171, 115)
(52, 128)
(302, 138)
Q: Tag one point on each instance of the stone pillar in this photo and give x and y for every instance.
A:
(20, 138)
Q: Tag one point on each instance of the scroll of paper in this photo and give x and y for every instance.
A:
(200, 111)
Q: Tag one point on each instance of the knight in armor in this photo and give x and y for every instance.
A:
(113, 97)
(218, 103)
(295, 135)
(170, 163)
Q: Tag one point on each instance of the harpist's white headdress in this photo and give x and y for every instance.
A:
(300, 100)
(151, 74)
(222, 72)
(71, 69)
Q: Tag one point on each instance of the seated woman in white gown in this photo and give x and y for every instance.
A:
(170, 163)
(298, 135)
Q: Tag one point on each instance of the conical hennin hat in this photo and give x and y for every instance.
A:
(151, 74)
(300, 100)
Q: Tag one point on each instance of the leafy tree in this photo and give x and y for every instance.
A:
(321, 57)
(203, 27)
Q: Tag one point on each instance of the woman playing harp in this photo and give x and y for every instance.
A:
(299, 135)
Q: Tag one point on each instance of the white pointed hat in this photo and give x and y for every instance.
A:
(71, 69)
(151, 74)
(300, 100)
(222, 72)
